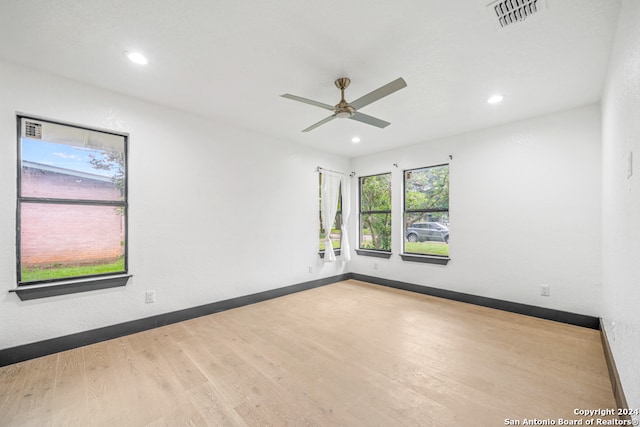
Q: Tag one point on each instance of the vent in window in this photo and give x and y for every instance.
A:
(32, 130)
(508, 12)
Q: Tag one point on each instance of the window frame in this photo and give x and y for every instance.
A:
(413, 256)
(378, 253)
(70, 284)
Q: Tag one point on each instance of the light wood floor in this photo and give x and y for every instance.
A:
(347, 354)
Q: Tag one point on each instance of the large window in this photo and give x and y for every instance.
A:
(72, 202)
(375, 212)
(426, 211)
(335, 232)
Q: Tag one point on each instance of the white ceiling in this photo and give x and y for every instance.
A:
(230, 60)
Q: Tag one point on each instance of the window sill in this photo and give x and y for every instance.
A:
(373, 253)
(29, 292)
(336, 252)
(428, 259)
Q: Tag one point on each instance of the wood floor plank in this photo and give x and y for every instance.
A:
(212, 406)
(104, 401)
(35, 401)
(348, 354)
(138, 402)
(12, 380)
(182, 367)
(70, 403)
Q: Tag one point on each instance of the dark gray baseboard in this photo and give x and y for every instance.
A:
(54, 345)
(616, 385)
(513, 307)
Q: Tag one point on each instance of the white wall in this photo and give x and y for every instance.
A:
(524, 211)
(216, 211)
(621, 201)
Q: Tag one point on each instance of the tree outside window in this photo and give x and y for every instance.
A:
(375, 212)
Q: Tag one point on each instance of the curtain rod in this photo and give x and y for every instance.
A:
(320, 169)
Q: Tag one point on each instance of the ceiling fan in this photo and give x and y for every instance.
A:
(350, 110)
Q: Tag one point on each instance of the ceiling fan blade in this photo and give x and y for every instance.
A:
(369, 120)
(381, 92)
(309, 101)
(321, 122)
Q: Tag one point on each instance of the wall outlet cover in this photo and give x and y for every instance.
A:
(150, 297)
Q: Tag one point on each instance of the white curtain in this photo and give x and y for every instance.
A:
(329, 193)
(346, 212)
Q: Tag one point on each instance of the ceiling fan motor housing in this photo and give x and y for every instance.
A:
(344, 110)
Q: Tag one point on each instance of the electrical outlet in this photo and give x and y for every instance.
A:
(375, 265)
(150, 297)
(310, 269)
(545, 291)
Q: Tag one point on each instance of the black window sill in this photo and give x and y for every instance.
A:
(336, 252)
(428, 259)
(374, 253)
(45, 290)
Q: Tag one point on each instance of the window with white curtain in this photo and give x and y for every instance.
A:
(335, 231)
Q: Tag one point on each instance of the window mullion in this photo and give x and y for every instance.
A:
(45, 200)
(374, 212)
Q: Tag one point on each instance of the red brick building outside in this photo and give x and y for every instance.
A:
(54, 234)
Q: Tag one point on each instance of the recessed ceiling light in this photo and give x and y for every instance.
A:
(355, 139)
(495, 99)
(137, 57)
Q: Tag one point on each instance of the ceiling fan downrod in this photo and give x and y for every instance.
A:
(343, 108)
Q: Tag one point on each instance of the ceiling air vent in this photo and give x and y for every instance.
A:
(508, 12)
(32, 130)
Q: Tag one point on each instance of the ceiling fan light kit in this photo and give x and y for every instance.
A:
(345, 110)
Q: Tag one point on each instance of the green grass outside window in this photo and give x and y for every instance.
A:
(34, 274)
